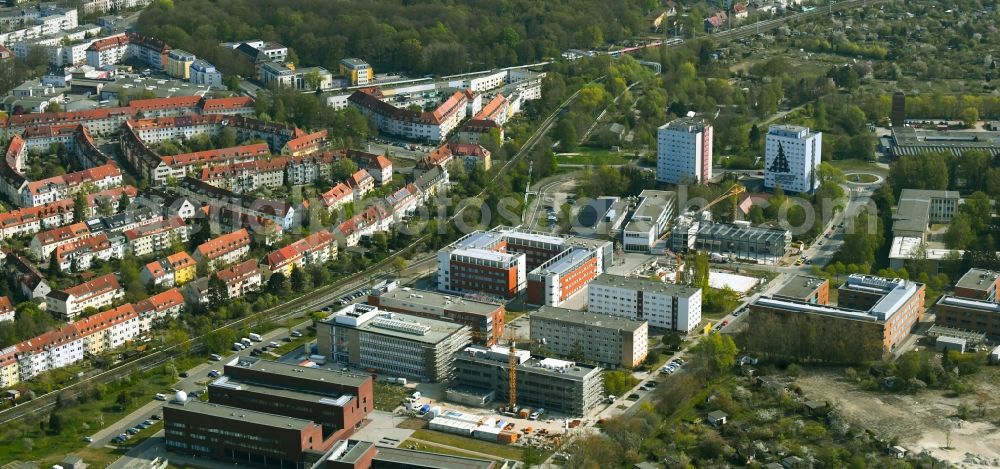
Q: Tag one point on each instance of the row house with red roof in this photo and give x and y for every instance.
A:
(305, 144)
(378, 166)
(109, 330)
(156, 237)
(26, 275)
(79, 256)
(51, 350)
(361, 183)
(43, 243)
(241, 279)
(370, 221)
(168, 304)
(7, 312)
(30, 220)
(430, 126)
(314, 249)
(97, 293)
(224, 250)
(115, 49)
(41, 192)
(175, 269)
(337, 197)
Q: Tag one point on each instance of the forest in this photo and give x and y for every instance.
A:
(414, 36)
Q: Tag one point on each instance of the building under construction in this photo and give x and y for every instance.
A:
(555, 385)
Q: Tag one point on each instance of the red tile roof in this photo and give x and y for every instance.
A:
(224, 244)
(336, 194)
(160, 302)
(62, 233)
(97, 286)
(244, 151)
(238, 272)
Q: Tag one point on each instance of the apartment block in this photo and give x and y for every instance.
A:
(390, 343)
(157, 237)
(791, 158)
(684, 151)
(241, 278)
(485, 320)
(357, 71)
(97, 293)
(557, 385)
(611, 341)
(807, 289)
(314, 249)
(663, 305)
(223, 250)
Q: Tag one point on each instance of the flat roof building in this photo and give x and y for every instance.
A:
(978, 284)
(391, 343)
(684, 151)
(338, 401)
(743, 241)
(649, 221)
(611, 341)
(485, 320)
(917, 209)
(351, 454)
(907, 141)
(969, 315)
(807, 289)
(879, 311)
(556, 385)
(241, 436)
(663, 305)
(505, 262)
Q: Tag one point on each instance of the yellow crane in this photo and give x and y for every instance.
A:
(733, 192)
(512, 372)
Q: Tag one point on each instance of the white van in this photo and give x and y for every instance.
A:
(246, 342)
(415, 395)
(254, 337)
(237, 346)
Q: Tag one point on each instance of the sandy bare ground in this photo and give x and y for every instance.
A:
(921, 421)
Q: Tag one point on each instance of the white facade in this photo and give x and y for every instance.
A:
(792, 157)
(663, 305)
(204, 73)
(684, 152)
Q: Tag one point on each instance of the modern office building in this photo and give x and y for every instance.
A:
(505, 262)
(684, 151)
(978, 284)
(555, 385)
(338, 401)
(969, 314)
(357, 71)
(881, 309)
(390, 343)
(663, 305)
(612, 341)
(791, 157)
(269, 414)
(649, 220)
(807, 289)
(743, 241)
(179, 63)
(242, 436)
(485, 320)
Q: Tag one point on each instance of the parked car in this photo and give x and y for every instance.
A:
(88, 439)
(215, 357)
(184, 374)
(273, 344)
(634, 396)
(160, 397)
(214, 374)
(295, 334)
(155, 417)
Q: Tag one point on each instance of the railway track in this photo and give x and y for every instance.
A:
(311, 301)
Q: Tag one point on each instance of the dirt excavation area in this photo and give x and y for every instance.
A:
(923, 421)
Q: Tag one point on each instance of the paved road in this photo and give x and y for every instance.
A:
(195, 381)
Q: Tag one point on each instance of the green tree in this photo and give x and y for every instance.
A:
(959, 233)
(298, 279)
(565, 133)
(970, 116)
(717, 352)
(980, 210)
(55, 423)
(123, 400)
(79, 207)
(278, 285)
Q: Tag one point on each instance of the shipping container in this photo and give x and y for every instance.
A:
(507, 438)
(448, 425)
(319, 359)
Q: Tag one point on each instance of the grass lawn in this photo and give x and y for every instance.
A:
(286, 347)
(388, 396)
(471, 444)
(27, 441)
(856, 165)
(421, 446)
(863, 178)
(593, 156)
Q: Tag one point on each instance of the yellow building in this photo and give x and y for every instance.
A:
(179, 63)
(184, 267)
(10, 373)
(357, 70)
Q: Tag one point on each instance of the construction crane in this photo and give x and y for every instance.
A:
(512, 372)
(733, 192)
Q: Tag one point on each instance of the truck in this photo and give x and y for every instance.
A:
(254, 337)
(318, 359)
